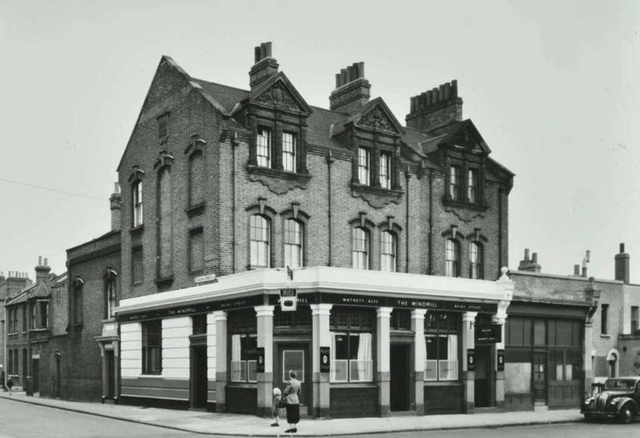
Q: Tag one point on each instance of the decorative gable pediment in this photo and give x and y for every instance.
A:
(467, 137)
(278, 92)
(377, 115)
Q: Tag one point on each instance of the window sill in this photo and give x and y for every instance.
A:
(377, 197)
(137, 283)
(443, 382)
(195, 210)
(605, 336)
(137, 230)
(278, 181)
(464, 204)
(164, 281)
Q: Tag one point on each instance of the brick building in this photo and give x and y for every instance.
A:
(10, 285)
(392, 238)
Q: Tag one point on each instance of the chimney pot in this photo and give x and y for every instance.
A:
(39, 260)
(621, 248)
(584, 271)
(526, 254)
(534, 257)
(576, 270)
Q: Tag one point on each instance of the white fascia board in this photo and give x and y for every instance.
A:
(327, 279)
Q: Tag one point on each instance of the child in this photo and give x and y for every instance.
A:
(277, 396)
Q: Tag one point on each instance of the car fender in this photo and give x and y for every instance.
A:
(625, 401)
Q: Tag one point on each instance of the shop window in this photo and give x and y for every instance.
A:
(352, 357)
(288, 151)
(476, 258)
(152, 347)
(452, 258)
(400, 319)
(388, 250)
(360, 248)
(259, 237)
(290, 320)
(243, 362)
(442, 331)
(293, 243)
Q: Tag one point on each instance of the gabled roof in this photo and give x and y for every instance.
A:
(265, 89)
(462, 134)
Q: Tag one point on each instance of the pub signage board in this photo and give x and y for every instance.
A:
(500, 360)
(259, 354)
(325, 359)
(471, 359)
(488, 334)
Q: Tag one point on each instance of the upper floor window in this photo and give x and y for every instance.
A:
(388, 251)
(34, 316)
(473, 186)
(385, 170)
(77, 301)
(165, 223)
(476, 269)
(635, 319)
(137, 271)
(454, 182)
(152, 347)
(604, 316)
(360, 248)
(293, 241)
(452, 258)
(288, 151)
(109, 298)
(259, 238)
(137, 203)
(163, 127)
(263, 147)
(43, 314)
(196, 178)
(364, 166)
(196, 250)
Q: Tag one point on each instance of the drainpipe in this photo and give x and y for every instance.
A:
(330, 161)
(407, 176)
(430, 266)
(234, 143)
(499, 230)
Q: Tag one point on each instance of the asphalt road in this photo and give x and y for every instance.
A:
(24, 420)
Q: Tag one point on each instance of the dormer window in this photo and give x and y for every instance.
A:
(288, 151)
(473, 186)
(385, 170)
(263, 147)
(454, 182)
(364, 166)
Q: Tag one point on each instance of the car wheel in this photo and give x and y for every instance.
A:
(626, 414)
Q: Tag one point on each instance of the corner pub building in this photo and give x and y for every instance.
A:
(384, 241)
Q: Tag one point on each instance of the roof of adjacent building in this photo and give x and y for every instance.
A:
(41, 289)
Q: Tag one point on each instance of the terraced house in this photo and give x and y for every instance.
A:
(262, 234)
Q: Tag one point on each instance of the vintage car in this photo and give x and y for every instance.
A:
(618, 398)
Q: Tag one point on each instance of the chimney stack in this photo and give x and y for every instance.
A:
(352, 90)
(115, 202)
(264, 67)
(622, 265)
(529, 265)
(576, 270)
(42, 271)
(435, 108)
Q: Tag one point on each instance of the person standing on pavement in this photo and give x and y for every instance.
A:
(291, 392)
(10, 386)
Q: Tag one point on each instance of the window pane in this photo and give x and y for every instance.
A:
(263, 147)
(451, 258)
(454, 182)
(472, 186)
(196, 243)
(388, 250)
(475, 259)
(293, 360)
(293, 243)
(385, 170)
(288, 152)
(259, 241)
(137, 203)
(363, 166)
(360, 248)
(196, 175)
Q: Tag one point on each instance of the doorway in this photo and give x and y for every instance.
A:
(484, 376)
(540, 377)
(199, 377)
(35, 376)
(400, 385)
(109, 369)
(294, 357)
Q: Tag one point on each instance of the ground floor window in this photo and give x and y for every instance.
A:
(442, 334)
(243, 362)
(152, 347)
(352, 358)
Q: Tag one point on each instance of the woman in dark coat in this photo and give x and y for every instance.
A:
(291, 392)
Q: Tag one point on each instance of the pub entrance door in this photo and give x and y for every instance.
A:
(294, 357)
(400, 385)
(540, 377)
(484, 383)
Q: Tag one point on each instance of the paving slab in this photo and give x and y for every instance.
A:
(249, 425)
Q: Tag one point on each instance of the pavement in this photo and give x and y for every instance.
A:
(248, 425)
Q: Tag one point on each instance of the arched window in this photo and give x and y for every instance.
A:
(476, 260)
(360, 248)
(196, 176)
(165, 228)
(452, 258)
(293, 241)
(259, 238)
(388, 251)
(136, 190)
(110, 299)
(612, 359)
(76, 300)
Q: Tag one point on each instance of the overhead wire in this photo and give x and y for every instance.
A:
(49, 189)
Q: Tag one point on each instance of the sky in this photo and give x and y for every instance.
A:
(552, 86)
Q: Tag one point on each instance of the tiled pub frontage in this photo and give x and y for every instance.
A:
(362, 343)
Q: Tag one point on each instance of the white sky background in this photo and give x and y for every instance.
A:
(553, 87)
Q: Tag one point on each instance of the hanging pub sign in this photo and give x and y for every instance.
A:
(500, 360)
(325, 359)
(488, 334)
(471, 359)
(259, 359)
(288, 300)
